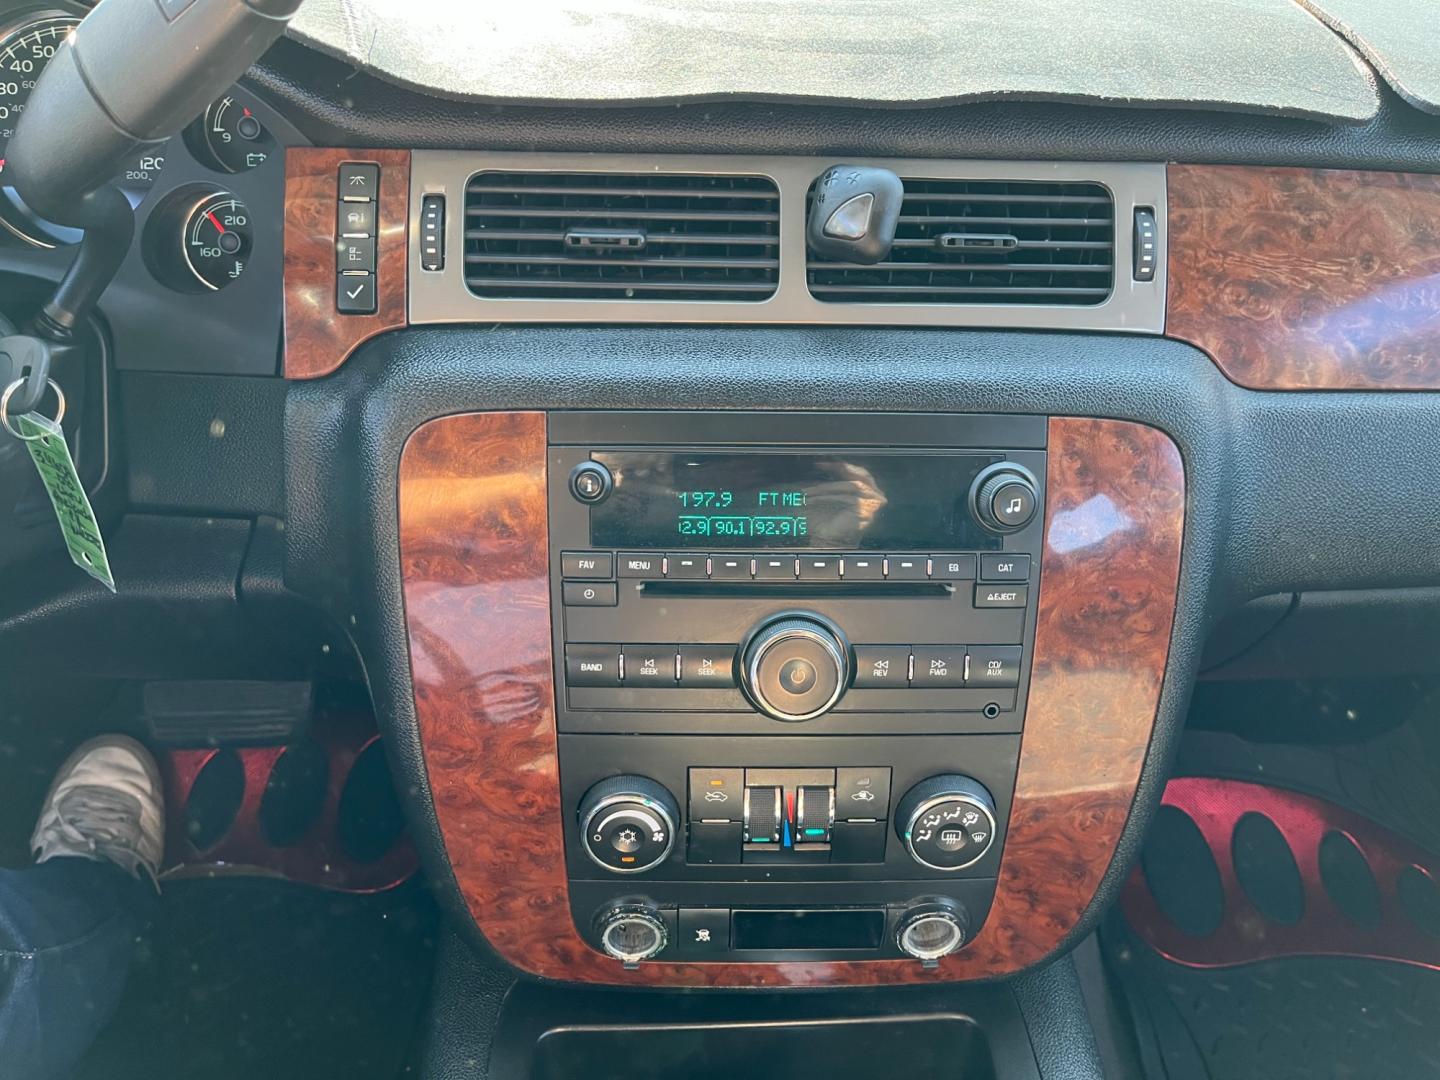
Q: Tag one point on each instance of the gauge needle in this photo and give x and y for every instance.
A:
(214, 220)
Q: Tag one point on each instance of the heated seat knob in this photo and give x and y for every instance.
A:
(627, 823)
(932, 929)
(795, 667)
(947, 822)
(632, 933)
(1004, 498)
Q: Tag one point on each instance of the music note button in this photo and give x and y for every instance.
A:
(1005, 498)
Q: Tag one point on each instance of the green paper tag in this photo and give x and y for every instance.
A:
(46, 443)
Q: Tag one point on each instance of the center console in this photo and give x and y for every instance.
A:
(791, 660)
(784, 699)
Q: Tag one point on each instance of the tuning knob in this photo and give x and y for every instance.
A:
(796, 667)
(946, 822)
(932, 929)
(627, 823)
(1004, 498)
(632, 933)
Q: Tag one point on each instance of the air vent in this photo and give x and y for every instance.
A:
(986, 242)
(613, 236)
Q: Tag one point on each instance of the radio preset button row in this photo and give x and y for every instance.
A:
(689, 566)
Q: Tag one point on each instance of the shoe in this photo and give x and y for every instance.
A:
(107, 803)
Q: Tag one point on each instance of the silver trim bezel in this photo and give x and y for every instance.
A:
(617, 919)
(944, 797)
(825, 641)
(913, 921)
(440, 296)
(626, 797)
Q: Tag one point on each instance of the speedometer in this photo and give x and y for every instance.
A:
(25, 49)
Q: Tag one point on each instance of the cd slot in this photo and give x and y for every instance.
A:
(887, 590)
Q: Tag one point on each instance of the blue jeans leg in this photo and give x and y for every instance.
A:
(67, 934)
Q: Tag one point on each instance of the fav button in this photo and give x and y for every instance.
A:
(882, 666)
(587, 564)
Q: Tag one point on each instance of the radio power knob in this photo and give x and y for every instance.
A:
(627, 824)
(947, 822)
(1005, 498)
(795, 667)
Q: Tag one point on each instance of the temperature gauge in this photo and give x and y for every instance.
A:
(218, 239)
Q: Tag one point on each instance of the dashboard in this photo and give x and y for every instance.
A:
(738, 614)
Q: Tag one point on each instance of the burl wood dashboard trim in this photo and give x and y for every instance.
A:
(474, 564)
(1307, 279)
(317, 338)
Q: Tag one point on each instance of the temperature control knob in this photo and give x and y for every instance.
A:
(627, 824)
(1004, 498)
(947, 822)
(632, 933)
(796, 667)
(932, 929)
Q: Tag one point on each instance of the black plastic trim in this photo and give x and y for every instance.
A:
(1285, 491)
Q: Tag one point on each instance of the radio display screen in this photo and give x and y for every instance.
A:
(868, 501)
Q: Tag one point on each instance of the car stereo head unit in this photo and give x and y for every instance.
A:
(790, 678)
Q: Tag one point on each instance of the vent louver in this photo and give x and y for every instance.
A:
(986, 242)
(614, 236)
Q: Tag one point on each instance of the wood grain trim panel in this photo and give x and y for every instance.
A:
(317, 338)
(1307, 279)
(474, 564)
